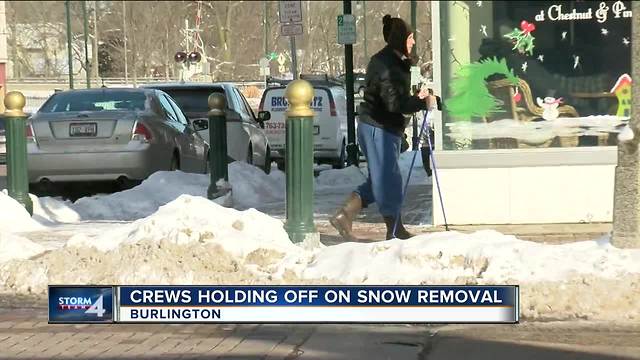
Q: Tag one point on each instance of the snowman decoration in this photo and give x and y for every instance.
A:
(549, 107)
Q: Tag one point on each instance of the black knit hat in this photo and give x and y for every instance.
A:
(395, 32)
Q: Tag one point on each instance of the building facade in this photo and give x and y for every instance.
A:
(535, 93)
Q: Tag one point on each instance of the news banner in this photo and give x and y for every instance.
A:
(283, 304)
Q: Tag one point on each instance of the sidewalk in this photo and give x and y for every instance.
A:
(25, 334)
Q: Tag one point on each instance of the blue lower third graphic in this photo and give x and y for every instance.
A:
(79, 304)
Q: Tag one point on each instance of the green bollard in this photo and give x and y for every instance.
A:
(218, 144)
(299, 160)
(17, 175)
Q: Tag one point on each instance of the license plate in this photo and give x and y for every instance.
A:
(316, 130)
(83, 129)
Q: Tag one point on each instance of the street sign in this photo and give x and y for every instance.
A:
(291, 29)
(290, 11)
(346, 29)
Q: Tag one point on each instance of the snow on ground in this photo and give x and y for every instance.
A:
(195, 241)
(176, 236)
(17, 247)
(14, 216)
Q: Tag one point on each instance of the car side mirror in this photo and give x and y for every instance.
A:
(200, 124)
(264, 116)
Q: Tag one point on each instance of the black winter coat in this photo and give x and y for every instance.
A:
(387, 94)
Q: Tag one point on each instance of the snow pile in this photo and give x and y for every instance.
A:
(253, 188)
(14, 217)
(191, 219)
(143, 200)
(17, 247)
(192, 240)
(485, 256)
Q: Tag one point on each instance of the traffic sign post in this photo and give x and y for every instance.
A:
(290, 12)
(290, 15)
(291, 29)
(347, 36)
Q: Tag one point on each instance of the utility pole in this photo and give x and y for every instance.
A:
(124, 31)
(294, 57)
(265, 22)
(87, 65)
(96, 64)
(352, 148)
(626, 198)
(415, 140)
(364, 27)
(4, 58)
(69, 44)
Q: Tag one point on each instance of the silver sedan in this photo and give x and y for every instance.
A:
(111, 134)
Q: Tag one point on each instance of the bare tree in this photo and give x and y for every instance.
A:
(232, 34)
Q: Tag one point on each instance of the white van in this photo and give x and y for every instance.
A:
(330, 123)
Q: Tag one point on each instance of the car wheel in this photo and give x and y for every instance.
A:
(267, 161)
(250, 154)
(280, 164)
(339, 163)
(175, 162)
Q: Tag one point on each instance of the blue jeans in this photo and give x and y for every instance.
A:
(381, 148)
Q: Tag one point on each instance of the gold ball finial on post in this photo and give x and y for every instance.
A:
(299, 94)
(217, 104)
(14, 103)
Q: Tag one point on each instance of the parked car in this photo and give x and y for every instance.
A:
(330, 121)
(118, 134)
(246, 139)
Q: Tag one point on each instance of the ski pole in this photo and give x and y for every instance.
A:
(435, 175)
(425, 123)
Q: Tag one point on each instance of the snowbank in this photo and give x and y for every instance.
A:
(253, 188)
(14, 217)
(191, 219)
(14, 247)
(195, 241)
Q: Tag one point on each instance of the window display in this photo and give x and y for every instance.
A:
(535, 74)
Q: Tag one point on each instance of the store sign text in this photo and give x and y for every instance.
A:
(555, 13)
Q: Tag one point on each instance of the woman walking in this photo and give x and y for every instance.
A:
(381, 124)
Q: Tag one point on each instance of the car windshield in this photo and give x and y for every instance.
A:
(109, 100)
(193, 100)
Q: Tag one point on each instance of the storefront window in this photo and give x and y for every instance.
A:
(534, 74)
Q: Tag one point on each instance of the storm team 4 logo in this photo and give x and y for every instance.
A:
(83, 303)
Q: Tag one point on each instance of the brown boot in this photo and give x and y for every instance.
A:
(343, 219)
(401, 232)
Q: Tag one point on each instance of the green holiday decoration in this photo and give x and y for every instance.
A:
(471, 97)
(522, 38)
